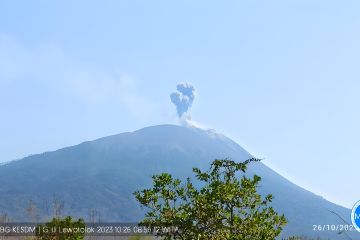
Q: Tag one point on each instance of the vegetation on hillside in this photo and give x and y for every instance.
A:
(55, 229)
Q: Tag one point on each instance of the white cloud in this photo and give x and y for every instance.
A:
(49, 66)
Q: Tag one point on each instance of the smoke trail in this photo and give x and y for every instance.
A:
(183, 99)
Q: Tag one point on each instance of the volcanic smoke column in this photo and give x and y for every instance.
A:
(183, 99)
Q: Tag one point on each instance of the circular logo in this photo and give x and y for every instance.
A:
(355, 216)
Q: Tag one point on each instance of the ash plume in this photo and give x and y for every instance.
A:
(183, 99)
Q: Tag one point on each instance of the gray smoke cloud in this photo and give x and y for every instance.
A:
(183, 98)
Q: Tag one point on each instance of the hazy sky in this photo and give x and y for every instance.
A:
(282, 78)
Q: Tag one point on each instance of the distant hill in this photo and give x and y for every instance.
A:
(103, 174)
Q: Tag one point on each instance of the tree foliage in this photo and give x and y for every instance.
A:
(61, 229)
(226, 206)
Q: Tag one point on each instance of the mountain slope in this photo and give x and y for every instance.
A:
(103, 174)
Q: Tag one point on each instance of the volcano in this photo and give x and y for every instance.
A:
(101, 176)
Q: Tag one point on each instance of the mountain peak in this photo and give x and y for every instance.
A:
(102, 174)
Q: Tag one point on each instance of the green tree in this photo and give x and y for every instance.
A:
(226, 206)
(61, 229)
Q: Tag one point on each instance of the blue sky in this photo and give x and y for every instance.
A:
(282, 78)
